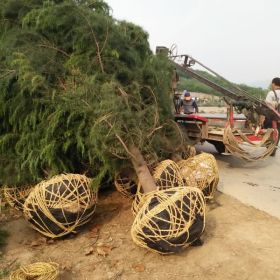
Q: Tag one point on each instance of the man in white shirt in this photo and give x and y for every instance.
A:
(273, 99)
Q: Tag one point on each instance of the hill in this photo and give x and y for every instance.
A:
(193, 85)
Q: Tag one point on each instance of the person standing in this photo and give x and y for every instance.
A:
(273, 99)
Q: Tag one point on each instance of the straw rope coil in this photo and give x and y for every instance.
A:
(167, 174)
(204, 170)
(36, 271)
(244, 148)
(60, 205)
(126, 184)
(170, 220)
(16, 196)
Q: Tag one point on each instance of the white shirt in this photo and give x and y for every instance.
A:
(270, 98)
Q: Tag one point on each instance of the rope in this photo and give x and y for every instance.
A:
(16, 196)
(60, 205)
(139, 199)
(36, 271)
(170, 220)
(202, 169)
(187, 173)
(126, 184)
(246, 149)
(167, 174)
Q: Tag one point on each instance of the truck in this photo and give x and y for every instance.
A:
(250, 128)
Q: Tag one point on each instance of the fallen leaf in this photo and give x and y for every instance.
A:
(50, 241)
(35, 243)
(66, 266)
(94, 232)
(139, 267)
(38, 242)
(89, 251)
(104, 250)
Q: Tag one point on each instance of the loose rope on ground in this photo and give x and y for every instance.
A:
(36, 271)
(246, 149)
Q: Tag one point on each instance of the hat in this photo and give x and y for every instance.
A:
(187, 94)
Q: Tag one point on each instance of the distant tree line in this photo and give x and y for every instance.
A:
(191, 84)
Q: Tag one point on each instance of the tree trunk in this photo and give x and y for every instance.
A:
(145, 178)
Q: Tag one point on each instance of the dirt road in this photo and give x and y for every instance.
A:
(240, 242)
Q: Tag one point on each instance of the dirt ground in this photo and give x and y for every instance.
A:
(240, 242)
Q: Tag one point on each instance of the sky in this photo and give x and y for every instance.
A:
(239, 39)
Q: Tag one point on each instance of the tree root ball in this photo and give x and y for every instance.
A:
(204, 169)
(170, 220)
(126, 183)
(60, 205)
(167, 174)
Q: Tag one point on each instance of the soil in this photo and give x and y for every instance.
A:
(240, 242)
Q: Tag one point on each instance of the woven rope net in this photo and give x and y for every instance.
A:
(167, 174)
(170, 220)
(203, 169)
(240, 146)
(16, 196)
(60, 205)
(139, 200)
(190, 151)
(36, 271)
(126, 184)
(187, 173)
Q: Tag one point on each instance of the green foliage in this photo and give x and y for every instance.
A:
(196, 86)
(77, 87)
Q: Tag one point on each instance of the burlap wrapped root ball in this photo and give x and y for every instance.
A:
(139, 200)
(204, 169)
(170, 220)
(126, 183)
(166, 175)
(187, 174)
(16, 196)
(60, 205)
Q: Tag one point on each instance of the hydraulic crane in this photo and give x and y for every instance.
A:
(221, 131)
